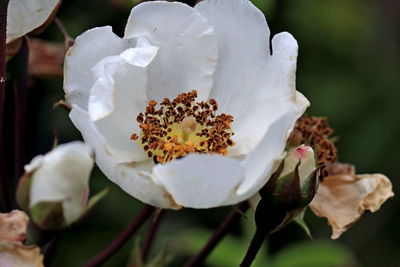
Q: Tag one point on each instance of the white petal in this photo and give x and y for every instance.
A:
(117, 97)
(262, 161)
(200, 181)
(63, 175)
(188, 50)
(249, 82)
(135, 182)
(89, 48)
(141, 55)
(25, 16)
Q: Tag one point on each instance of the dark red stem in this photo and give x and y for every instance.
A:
(20, 77)
(125, 235)
(150, 235)
(255, 245)
(224, 228)
(4, 191)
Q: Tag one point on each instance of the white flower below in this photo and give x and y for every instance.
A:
(220, 49)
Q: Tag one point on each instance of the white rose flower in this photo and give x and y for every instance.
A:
(24, 16)
(216, 145)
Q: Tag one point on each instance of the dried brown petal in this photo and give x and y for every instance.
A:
(13, 226)
(342, 199)
(15, 255)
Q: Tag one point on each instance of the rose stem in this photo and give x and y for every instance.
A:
(255, 245)
(3, 61)
(224, 228)
(151, 233)
(68, 40)
(123, 237)
(20, 69)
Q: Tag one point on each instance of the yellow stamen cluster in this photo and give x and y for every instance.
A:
(183, 126)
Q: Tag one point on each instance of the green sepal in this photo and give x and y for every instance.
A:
(23, 192)
(48, 215)
(91, 204)
(300, 221)
(95, 199)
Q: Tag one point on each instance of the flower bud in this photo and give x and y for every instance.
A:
(289, 190)
(54, 189)
(295, 182)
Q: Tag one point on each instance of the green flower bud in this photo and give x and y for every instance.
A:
(289, 190)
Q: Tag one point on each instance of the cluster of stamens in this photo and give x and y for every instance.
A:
(315, 131)
(183, 126)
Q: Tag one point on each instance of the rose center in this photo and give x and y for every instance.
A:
(183, 126)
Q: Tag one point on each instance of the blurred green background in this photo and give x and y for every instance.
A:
(348, 67)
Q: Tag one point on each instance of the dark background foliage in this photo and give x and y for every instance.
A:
(348, 67)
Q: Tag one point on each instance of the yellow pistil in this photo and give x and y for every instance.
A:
(183, 126)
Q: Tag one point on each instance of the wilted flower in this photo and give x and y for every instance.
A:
(226, 102)
(24, 17)
(343, 198)
(54, 189)
(12, 233)
(13, 226)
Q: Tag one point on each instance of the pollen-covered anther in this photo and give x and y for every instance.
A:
(315, 131)
(183, 126)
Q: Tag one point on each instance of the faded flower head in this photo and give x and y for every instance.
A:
(13, 226)
(54, 189)
(190, 108)
(13, 253)
(343, 198)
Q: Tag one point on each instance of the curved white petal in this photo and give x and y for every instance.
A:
(25, 16)
(249, 82)
(262, 161)
(200, 181)
(63, 175)
(89, 48)
(117, 97)
(188, 50)
(135, 182)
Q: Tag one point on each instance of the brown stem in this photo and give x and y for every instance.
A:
(224, 228)
(4, 192)
(20, 78)
(68, 40)
(151, 233)
(125, 235)
(255, 245)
